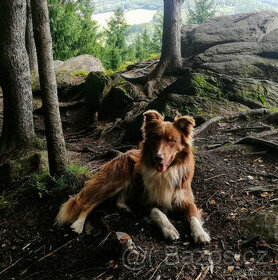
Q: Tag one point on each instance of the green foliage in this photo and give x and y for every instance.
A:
(115, 34)
(73, 32)
(201, 11)
(78, 170)
(156, 42)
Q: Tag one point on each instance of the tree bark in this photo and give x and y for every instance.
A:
(30, 41)
(54, 134)
(18, 126)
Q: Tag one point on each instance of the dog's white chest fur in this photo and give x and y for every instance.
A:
(162, 188)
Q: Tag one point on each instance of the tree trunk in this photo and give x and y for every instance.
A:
(30, 42)
(53, 127)
(18, 126)
(171, 38)
(170, 60)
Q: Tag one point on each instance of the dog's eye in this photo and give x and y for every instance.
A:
(171, 140)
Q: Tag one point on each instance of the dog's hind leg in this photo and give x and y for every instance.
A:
(112, 178)
(121, 201)
(78, 225)
(168, 230)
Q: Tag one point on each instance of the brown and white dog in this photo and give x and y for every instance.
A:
(157, 176)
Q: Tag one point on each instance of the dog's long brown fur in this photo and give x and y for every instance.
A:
(159, 174)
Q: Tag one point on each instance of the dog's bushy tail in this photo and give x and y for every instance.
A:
(69, 212)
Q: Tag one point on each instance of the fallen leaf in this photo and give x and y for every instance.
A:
(237, 257)
(230, 268)
(212, 201)
(265, 194)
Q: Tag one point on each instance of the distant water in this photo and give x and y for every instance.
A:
(132, 17)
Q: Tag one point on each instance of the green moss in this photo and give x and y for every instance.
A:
(204, 88)
(81, 73)
(251, 71)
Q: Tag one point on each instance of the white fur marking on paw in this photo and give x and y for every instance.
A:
(168, 230)
(78, 225)
(198, 233)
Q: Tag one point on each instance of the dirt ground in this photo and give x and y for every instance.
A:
(32, 248)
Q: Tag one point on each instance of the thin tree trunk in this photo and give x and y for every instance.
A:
(170, 60)
(171, 36)
(18, 126)
(30, 41)
(53, 127)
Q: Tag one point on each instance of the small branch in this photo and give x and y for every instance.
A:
(159, 265)
(12, 265)
(203, 273)
(56, 250)
(216, 176)
(256, 128)
(268, 175)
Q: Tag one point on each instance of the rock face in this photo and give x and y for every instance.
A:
(239, 51)
(84, 62)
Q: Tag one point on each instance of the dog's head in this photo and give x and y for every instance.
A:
(163, 141)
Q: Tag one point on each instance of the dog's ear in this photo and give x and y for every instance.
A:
(185, 125)
(151, 119)
(152, 115)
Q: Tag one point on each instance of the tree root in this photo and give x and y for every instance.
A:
(212, 121)
(259, 142)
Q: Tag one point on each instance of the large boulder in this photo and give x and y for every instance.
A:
(84, 62)
(71, 73)
(239, 52)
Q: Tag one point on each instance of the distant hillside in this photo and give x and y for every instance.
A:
(223, 6)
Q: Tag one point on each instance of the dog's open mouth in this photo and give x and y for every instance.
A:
(161, 167)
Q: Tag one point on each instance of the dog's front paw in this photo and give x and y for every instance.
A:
(200, 236)
(78, 226)
(169, 232)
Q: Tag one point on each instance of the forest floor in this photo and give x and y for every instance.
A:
(33, 248)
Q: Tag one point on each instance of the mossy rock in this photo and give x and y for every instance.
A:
(97, 86)
(18, 169)
(116, 104)
(112, 96)
(264, 223)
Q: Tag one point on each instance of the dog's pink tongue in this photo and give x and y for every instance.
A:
(160, 168)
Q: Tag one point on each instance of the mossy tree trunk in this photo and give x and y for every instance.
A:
(18, 126)
(53, 126)
(30, 41)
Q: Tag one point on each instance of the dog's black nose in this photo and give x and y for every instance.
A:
(158, 159)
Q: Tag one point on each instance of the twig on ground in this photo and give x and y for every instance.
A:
(260, 128)
(203, 273)
(213, 177)
(12, 265)
(268, 175)
(56, 250)
(158, 266)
